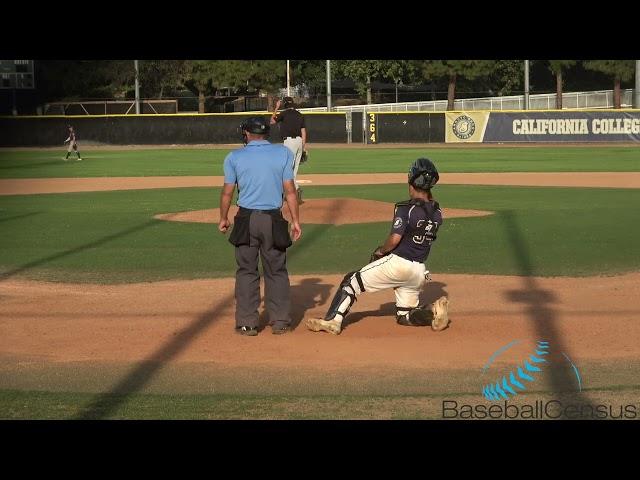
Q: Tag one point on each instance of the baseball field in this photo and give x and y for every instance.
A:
(117, 290)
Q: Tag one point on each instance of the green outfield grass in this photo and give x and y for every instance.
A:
(609, 386)
(111, 237)
(179, 162)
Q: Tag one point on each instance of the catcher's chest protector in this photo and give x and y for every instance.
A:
(421, 229)
(418, 223)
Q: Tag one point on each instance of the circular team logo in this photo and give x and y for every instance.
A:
(397, 223)
(464, 127)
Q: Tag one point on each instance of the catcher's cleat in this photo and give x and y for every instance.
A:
(416, 317)
(319, 324)
(440, 309)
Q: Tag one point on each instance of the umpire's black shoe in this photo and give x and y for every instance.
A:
(280, 330)
(248, 331)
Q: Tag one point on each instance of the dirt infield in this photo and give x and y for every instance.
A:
(595, 318)
(559, 179)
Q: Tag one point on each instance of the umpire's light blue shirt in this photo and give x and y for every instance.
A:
(259, 168)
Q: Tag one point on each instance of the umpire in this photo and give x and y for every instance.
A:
(294, 134)
(264, 175)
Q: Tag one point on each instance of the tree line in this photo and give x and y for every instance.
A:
(84, 79)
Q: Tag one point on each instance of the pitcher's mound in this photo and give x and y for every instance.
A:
(334, 211)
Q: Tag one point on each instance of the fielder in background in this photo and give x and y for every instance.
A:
(399, 263)
(73, 143)
(294, 134)
(263, 173)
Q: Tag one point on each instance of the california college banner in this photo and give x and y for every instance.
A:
(563, 126)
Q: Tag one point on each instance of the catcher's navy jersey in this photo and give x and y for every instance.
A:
(418, 222)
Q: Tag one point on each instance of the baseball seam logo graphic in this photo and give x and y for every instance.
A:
(516, 380)
(397, 223)
(464, 127)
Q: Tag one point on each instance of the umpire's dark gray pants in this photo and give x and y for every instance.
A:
(276, 277)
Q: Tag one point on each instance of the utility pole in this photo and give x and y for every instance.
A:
(288, 80)
(526, 84)
(636, 92)
(135, 63)
(328, 85)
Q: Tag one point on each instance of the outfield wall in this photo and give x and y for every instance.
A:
(46, 131)
(503, 127)
(331, 127)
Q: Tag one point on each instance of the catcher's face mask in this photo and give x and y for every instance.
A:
(423, 174)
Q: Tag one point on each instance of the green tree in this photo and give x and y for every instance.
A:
(266, 77)
(200, 74)
(452, 69)
(620, 70)
(159, 76)
(557, 66)
(506, 77)
(310, 73)
(207, 76)
(399, 71)
(362, 72)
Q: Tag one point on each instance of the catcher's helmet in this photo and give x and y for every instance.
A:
(256, 125)
(423, 174)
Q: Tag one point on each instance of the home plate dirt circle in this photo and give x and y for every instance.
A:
(333, 211)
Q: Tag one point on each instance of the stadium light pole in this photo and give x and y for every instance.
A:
(636, 93)
(526, 84)
(135, 63)
(328, 85)
(288, 80)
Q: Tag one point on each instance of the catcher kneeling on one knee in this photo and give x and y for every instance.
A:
(399, 263)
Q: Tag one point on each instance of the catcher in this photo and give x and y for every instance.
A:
(399, 263)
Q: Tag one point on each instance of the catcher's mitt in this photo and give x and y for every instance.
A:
(377, 254)
(305, 156)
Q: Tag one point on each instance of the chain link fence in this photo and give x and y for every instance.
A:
(340, 103)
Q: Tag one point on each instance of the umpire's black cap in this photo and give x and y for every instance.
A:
(256, 125)
(288, 102)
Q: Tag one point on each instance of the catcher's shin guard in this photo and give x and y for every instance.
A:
(350, 287)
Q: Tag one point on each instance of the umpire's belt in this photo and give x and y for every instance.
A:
(250, 210)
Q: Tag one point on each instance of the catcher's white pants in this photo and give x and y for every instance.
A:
(295, 145)
(406, 278)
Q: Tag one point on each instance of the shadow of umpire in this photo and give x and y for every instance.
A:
(308, 294)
